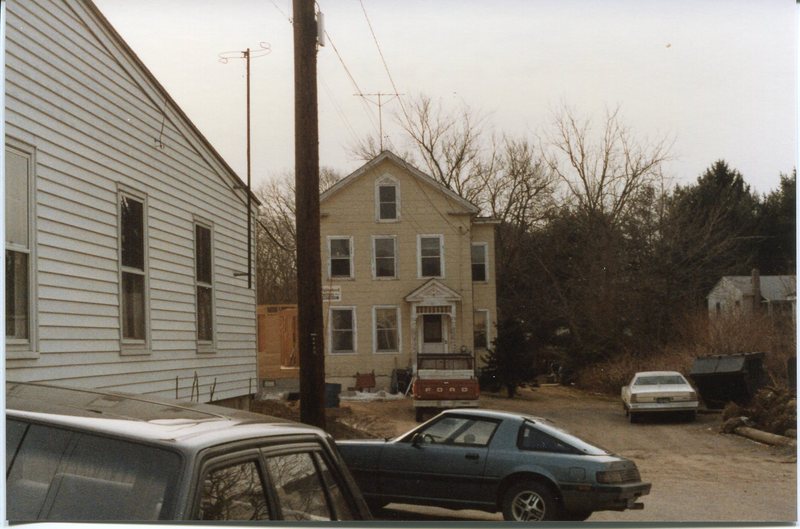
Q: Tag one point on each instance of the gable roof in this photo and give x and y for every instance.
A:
(773, 288)
(115, 45)
(413, 171)
(433, 291)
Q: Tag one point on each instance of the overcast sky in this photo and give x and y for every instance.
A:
(718, 76)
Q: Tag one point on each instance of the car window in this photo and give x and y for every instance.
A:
(299, 487)
(14, 432)
(234, 492)
(33, 469)
(533, 439)
(341, 506)
(60, 475)
(459, 431)
(660, 380)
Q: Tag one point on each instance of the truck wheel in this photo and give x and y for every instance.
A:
(529, 501)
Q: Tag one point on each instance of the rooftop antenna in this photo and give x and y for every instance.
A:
(263, 49)
(379, 103)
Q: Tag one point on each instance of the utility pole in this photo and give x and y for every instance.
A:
(309, 268)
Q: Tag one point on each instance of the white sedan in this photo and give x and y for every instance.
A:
(659, 391)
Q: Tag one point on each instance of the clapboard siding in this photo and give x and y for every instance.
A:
(101, 124)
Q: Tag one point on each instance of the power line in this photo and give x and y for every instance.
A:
(383, 60)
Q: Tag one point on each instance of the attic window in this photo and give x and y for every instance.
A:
(387, 203)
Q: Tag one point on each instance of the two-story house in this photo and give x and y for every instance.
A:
(126, 232)
(408, 271)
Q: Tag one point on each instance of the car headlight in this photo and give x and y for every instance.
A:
(618, 476)
(634, 398)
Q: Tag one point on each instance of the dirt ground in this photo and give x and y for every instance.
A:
(698, 474)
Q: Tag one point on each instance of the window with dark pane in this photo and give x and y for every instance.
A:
(235, 492)
(340, 255)
(204, 283)
(430, 257)
(479, 262)
(18, 181)
(132, 252)
(384, 257)
(386, 332)
(342, 331)
(387, 199)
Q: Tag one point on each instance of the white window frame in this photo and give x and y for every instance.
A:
(488, 315)
(130, 346)
(387, 181)
(441, 255)
(485, 247)
(205, 346)
(25, 348)
(375, 238)
(348, 238)
(375, 309)
(352, 310)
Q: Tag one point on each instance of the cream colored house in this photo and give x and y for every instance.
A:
(407, 271)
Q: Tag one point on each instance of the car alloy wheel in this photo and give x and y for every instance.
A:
(529, 502)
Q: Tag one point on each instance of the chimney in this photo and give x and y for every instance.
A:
(755, 280)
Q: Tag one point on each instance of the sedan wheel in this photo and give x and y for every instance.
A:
(529, 502)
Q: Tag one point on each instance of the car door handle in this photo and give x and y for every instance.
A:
(472, 456)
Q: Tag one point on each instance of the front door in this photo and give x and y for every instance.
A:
(434, 334)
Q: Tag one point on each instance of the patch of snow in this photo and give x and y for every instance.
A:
(370, 396)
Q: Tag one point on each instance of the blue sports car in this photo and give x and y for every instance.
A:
(520, 465)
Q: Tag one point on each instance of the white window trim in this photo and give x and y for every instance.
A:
(387, 181)
(352, 257)
(129, 346)
(375, 330)
(330, 330)
(205, 346)
(375, 257)
(488, 328)
(485, 246)
(441, 255)
(26, 348)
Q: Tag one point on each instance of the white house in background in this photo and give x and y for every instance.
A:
(753, 294)
(126, 232)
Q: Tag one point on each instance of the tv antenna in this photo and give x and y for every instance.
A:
(263, 49)
(379, 102)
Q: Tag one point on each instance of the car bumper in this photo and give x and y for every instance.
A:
(604, 497)
(648, 407)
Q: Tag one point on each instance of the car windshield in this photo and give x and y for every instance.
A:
(660, 380)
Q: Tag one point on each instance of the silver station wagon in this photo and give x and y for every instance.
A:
(76, 455)
(519, 465)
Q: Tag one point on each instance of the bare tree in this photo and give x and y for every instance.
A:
(277, 251)
(602, 172)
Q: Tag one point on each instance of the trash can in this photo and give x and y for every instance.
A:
(332, 392)
(728, 378)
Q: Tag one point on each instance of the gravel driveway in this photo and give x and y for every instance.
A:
(697, 473)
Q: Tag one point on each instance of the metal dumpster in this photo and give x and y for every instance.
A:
(728, 378)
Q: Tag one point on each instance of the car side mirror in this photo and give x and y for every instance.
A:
(417, 439)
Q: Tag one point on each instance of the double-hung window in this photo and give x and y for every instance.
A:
(133, 271)
(340, 261)
(480, 329)
(384, 258)
(204, 285)
(19, 249)
(430, 250)
(480, 261)
(387, 203)
(387, 329)
(343, 330)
